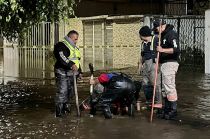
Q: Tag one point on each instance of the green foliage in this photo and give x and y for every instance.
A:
(17, 15)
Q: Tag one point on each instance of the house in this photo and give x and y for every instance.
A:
(109, 38)
(109, 28)
(114, 25)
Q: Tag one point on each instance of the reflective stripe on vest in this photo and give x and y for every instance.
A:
(151, 46)
(74, 53)
(152, 43)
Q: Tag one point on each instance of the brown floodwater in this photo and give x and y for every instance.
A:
(27, 107)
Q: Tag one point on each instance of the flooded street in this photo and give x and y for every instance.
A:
(27, 107)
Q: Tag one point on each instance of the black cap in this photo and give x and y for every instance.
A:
(156, 23)
(145, 31)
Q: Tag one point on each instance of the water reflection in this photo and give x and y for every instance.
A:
(204, 99)
(204, 82)
(37, 62)
(23, 63)
(11, 62)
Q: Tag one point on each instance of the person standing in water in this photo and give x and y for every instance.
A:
(67, 64)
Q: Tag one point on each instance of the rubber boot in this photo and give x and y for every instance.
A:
(160, 113)
(167, 107)
(148, 92)
(93, 109)
(59, 111)
(171, 115)
(107, 112)
(67, 107)
(164, 111)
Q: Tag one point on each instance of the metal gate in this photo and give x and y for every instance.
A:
(191, 31)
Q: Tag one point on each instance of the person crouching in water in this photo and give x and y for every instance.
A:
(115, 88)
(149, 55)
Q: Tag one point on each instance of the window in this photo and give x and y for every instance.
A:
(97, 33)
(88, 34)
(109, 35)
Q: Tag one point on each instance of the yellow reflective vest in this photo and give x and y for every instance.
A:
(151, 46)
(75, 54)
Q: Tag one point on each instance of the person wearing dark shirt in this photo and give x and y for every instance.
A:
(149, 55)
(67, 65)
(169, 54)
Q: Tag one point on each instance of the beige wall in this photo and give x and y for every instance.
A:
(126, 35)
(126, 42)
(76, 24)
(125, 56)
(71, 24)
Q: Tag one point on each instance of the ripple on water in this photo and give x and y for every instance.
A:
(204, 83)
(203, 107)
(14, 92)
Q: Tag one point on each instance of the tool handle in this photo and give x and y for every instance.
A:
(156, 74)
(76, 95)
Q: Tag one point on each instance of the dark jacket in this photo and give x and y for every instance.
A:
(61, 53)
(147, 53)
(169, 39)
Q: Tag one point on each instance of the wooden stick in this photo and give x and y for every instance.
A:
(76, 95)
(156, 74)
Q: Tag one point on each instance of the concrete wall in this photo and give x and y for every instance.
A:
(76, 24)
(125, 56)
(125, 35)
(125, 51)
(71, 24)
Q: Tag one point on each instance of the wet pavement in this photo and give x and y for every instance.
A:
(27, 111)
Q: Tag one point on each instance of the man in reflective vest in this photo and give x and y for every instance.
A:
(67, 64)
(148, 54)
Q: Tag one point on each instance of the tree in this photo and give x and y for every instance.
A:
(17, 15)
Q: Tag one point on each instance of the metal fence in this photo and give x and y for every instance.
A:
(23, 62)
(191, 36)
(42, 34)
(191, 31)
